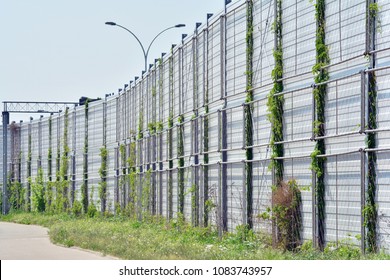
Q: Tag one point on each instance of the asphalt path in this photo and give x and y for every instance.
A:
(29, 242)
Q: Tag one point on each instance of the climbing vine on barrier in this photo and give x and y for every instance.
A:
(38, 192)
(206, 161)
(170, 138)
(65, 164)
(370, 212)
(49, 184)
(132, 178)
(29, 158)
(180, 171)
(276, 100)
(321, 75)
(16, 194)
(141, 123)
(145, 198)
(248, 108)
(84, 186)
(123, 177)
(102, 188)
(57, 184)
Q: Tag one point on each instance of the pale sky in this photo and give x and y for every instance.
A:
(60, 50)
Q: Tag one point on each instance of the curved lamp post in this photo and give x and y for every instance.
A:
(143, 49)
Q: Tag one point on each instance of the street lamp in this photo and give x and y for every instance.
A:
(143, 49)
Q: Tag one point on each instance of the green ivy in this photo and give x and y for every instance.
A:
(206, 161)
(180, 172)
(123, 178)
(84, 186)
(65, 164)
(29, 158)
(319, 93)
(370, 211)
(141, 123)
(132, 179)
(146, 188)
(49, 186)
(275, 101)
(102, 188)
(248, 113)
(170, 138)
(373, 13)
(16, 194)
(38, 193)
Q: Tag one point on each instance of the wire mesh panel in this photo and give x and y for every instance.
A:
(343, 115)
(236, 195)
(212, 202)
(175, 83)
(263, 42)
(128, 113)
(187, 142)
(111, 120)
(213, 137)
(383, 200)
(34, 149)
(174, 142)
(383, 106)
(346, 28)
(262, 194)
(24, 153)
(236, 51)
(189, 193)
(95, 132)
(175, 193)
(200, 67)
(298, 169)
(144, 107)
(214, 61)
(165, 87)
(187, 77)
(298, 37)
(79, 150)
(298, 123)
(44, 145)
(383, 32)
(343, 198)
(235, 133)
(162, 195)
(261, 129)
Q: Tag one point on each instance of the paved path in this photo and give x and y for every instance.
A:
(27, 242)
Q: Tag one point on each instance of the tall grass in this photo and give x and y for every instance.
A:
(158, 240)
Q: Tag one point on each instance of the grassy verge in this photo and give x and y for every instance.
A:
(157, 239)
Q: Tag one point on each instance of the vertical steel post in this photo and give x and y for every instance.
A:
(368, 28)
(194, 126)
(40, 143)
(103, 202)
(73, 158)
(5, 123)
(160, 138)
(224, 120)
(362, 102)
(29, 163)
(116, 186)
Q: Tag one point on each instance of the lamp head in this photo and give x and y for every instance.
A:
(180, 25)
(110, 23)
